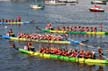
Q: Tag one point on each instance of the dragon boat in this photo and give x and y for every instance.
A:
(15, 23)
(76, 33)
(65, 58)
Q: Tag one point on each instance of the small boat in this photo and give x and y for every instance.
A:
(15, 23)
(99, 2)
(68, 1)
(36, 6)
(65, 58)
(54, 2)
(96, 9)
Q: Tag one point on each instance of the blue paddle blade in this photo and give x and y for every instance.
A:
(73, 41)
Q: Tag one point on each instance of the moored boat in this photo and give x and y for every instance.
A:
(96, 9)
(99, 2)
(36, 6)
(54, 2)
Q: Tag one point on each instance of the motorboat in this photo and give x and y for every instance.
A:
(54, 2)
(96, 9)
(99, 2)
(36, 6)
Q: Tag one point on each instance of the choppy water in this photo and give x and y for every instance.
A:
(11, 60)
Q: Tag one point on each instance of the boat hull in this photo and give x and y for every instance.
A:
(76, 33)
(95, 10)
(99, 2)
(36, 7)
(37, 41)
(13, 23)
(64, 58)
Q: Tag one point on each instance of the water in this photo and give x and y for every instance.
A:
(11, 60)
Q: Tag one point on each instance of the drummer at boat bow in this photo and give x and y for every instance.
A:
(49, 27)
(29, 47)
(10, 33)
(100, 51)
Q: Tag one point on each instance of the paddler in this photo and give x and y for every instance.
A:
(63, 28)
(49, 27)
(95, 29)
(101, 27)
(71, 28)
(87, 29)
(30, 46)
(82, 54)
(91, 28)
(75, 28)
(79, 28)
(75, 53)
(100, 51)
(58, 28)
(67, 28)
(14, 46)
(19, 19)
(93, 54)
(11, 33)
(2, 19)
(9, 20)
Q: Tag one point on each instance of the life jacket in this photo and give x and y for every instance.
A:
(94, 29)
(81, 55)
(11, 34)
(26, 48)
(74, 54)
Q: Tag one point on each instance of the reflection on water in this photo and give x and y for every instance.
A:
(100, 68)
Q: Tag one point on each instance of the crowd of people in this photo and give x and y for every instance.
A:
(77, 28)
(36, 36)
(18, 19)
(72, 52)
(73, 28)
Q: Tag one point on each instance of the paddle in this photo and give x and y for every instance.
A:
(38, 28)
(80, 43)
(106, 50)
(105, 57)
